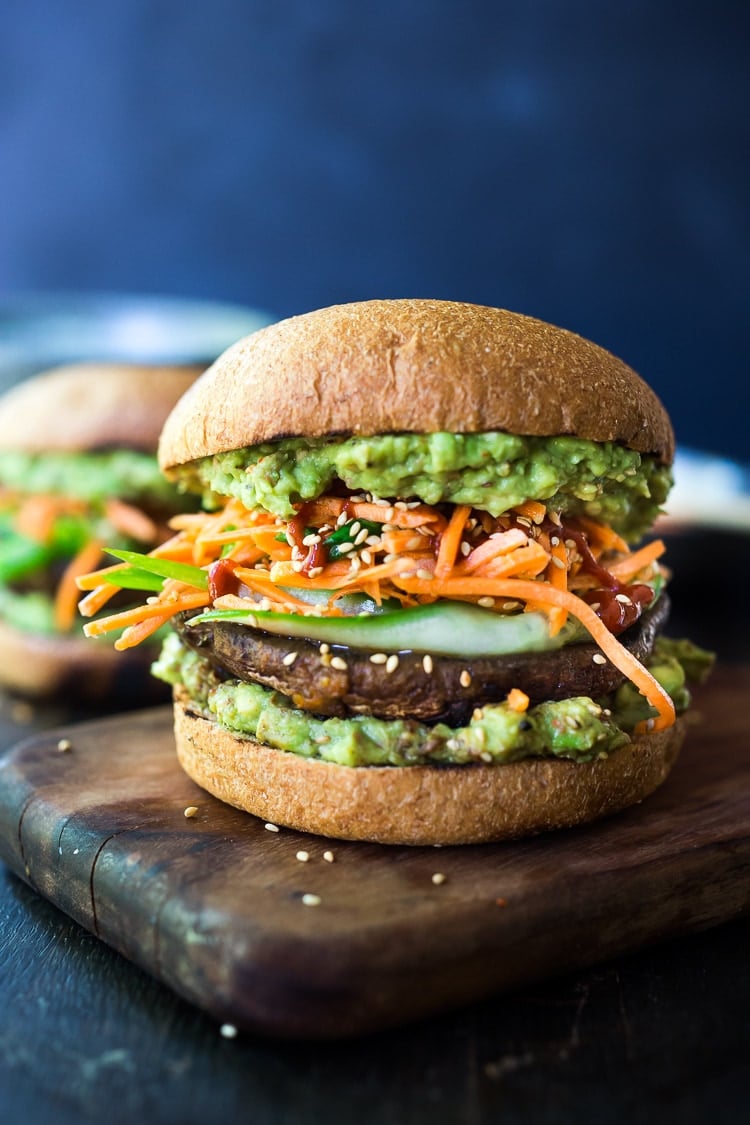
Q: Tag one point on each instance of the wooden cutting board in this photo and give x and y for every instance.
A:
(213, 905)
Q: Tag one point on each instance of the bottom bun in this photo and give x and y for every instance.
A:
(418, 804)
(44, 666)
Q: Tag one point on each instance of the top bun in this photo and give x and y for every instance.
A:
(87, 406)
(413, 366)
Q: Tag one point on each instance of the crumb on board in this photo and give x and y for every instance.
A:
(438, 878)
(64, 744)
(271, 827)
(311, 900)
(190, 811)
(328, 857)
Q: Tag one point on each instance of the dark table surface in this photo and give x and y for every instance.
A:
(86, 1036)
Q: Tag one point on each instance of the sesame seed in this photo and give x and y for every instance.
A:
(290, 658)
(355, 564)
(228, 1031)
(486, 603)
(401, 505)
(64, 745)
(344, 547)
(478, 714)
(328, 857)
(427, 663)
(465, 678)
(555, 540)
(438, 878)
(414, 544)
(623, 599)
(271, 827)
(324, 648)
(303, 856)
(570, 544)
(321, 739)
(338, 663)
(465, 548)
(423, 530)
(264, 604)
(378, 658)
(366, 557)
(558, 563)
(355, 529)
(297, 565)
(523, 520)
(598, 658)
(373, 541)
(391, 663)
(596, 605)
(390, 515)
(311, 540)
(342, 519)
(311, 900)
(362, 537)
(486, 756)
(190, 811)
(425, 575)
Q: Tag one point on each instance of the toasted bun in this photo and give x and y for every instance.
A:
(74, 669)
(90, 406)
(413, 366)
(418, 804)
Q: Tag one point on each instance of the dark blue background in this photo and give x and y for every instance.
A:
(579, 160)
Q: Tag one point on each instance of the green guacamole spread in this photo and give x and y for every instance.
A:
(492, 471)
(125, 473)
(581, 729)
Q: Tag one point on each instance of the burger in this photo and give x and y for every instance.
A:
(417, 607)
(77, 470)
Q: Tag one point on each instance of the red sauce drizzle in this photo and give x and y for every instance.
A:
(317, 554)
(222, 580)
(617, 614)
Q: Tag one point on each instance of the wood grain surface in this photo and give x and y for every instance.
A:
(214, 905)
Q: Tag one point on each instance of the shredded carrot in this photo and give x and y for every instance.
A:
(557, 576)
(402, 540)
(66, 595)
(533, 510)
(530, 591)
(140, 613)
(134, 634)
(450, 540)
(517, 700)
(36, 517)
(526, 562)
(602, 537)
(130, 521)
(499, 543)
(329, 508)
(628, 567)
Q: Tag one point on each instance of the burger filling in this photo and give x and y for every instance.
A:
(56, 512)
(412, 598)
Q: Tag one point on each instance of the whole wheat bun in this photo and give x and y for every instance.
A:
(413, 366)
(41, 666)
(418, 805)
(87, 406)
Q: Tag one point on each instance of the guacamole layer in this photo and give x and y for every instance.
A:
(581, 729)
(491, 471)
(93, 477)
